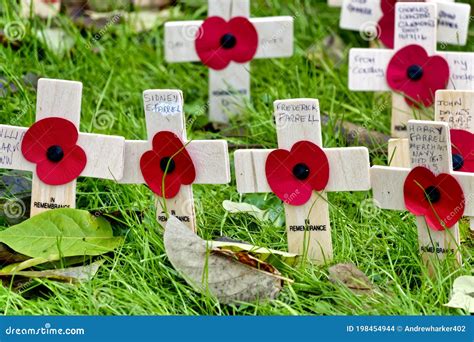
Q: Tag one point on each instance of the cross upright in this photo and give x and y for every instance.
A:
(301, 173)
(229, 84)
(367, 17)
(415, 24)
(208, 158)
(430, 148)
(55, 152)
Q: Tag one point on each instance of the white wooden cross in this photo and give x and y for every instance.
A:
(41, 8)
(59, 98)
(308, 226)
(164, 112)
(230, 87)
(430, 147)
(364, 15)
(367, 67)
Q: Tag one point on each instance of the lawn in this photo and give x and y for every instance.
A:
(138, 279)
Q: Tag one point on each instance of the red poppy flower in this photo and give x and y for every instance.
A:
(51, 144)
(168, 164)
(386, 24)
(462, 146)
(218, 42)
(293, 175)
(440, 199)
(415, 74)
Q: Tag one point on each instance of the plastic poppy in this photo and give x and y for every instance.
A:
(462, 146)
(218, 42)
(386, 24)
(440, 199)
(418, 76)
(51, 144)
(293, 175)
(168, 164)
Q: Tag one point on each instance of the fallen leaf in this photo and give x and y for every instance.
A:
(61, 232)
(463, 294)
(79, 274)
(226, 279)
(239, 207)
(351, 277)
(9, 256)
(264, 254)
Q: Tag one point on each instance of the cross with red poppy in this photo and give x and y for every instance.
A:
(168, 163)
(300, 172)
(55, 151)
(376, 19)
(430, 189)
(226, 42)
(414, 71)
(41, 8)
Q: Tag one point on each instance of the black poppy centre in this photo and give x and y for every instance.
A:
(432, 194)
(167, 164)
(55, 153)
(228, 41)
(458, 162)
(415, 72)
(301, 171)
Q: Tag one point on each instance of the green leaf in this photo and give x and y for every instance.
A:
(61, 233)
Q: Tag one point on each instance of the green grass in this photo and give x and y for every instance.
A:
(139, 279)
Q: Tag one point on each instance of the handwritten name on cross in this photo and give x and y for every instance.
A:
(430, 147)
(61, 99)
(415, 23)
(364, 16)
(229, 87)
(164, 113)
(308, 225)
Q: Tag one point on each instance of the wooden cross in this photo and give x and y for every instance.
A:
(164, 112)
(453, 19)
(41, 8)
(308, 226)
(230, 87)
(430, 147)
(59, 98)
(367, 67)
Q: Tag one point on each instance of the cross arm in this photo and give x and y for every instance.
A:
(210, 157)
(275, 35)
(105, 155)
(360, 15)
(367, 69)
(461, 69)
(387, 187)
(347, 174)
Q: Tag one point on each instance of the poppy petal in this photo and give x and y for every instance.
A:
(462, 144)
(208, 43)
(447, 210)
(435, 75)
(64, 171)
(46, 133)
(247, 39)
(450, 208)
(386, 29)
(167, 145)
(419, 179)
(278, 169)
(314, 157)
